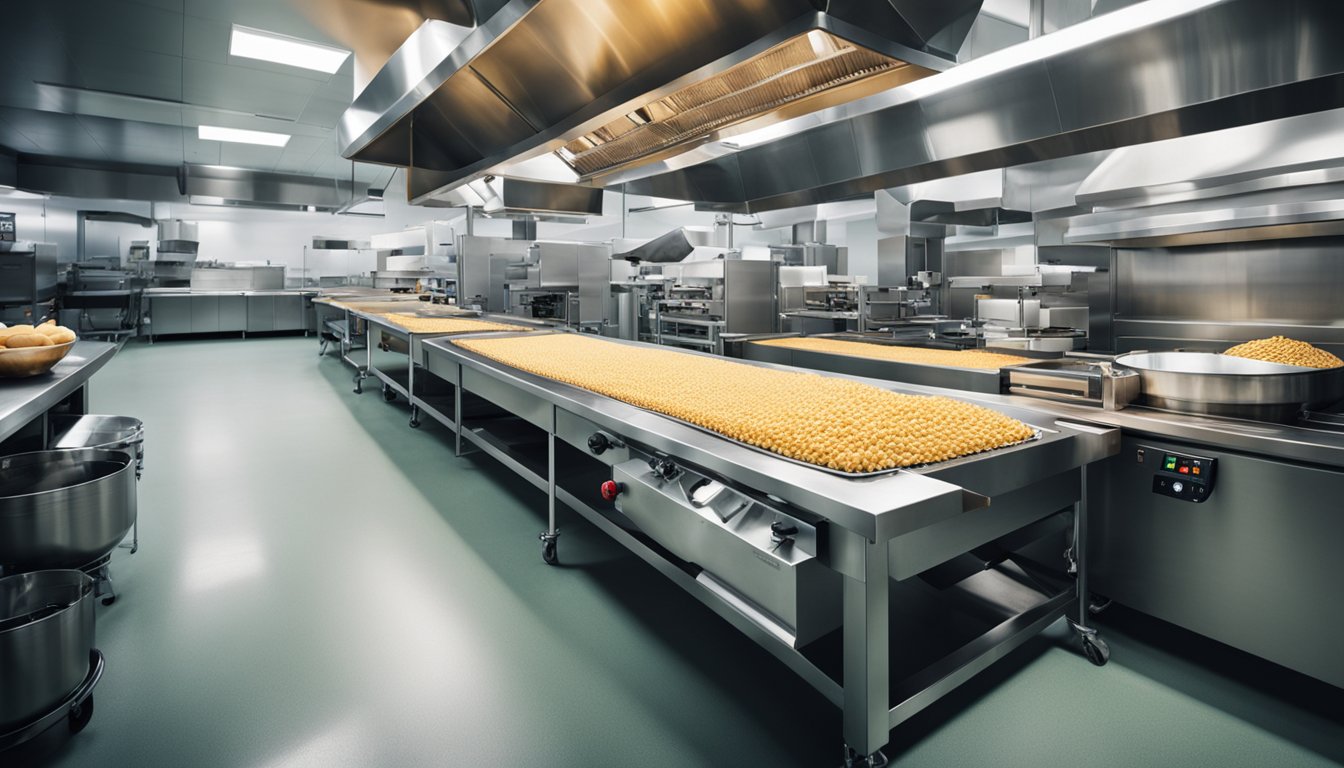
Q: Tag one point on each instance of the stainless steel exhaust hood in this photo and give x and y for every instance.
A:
(1275, 180)
(1152, 71)
(608, 85)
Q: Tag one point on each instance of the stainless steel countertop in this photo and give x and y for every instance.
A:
(22, 400)
(189, 292)
(1280, 441)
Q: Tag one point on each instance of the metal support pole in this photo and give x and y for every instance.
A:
(410, 380)
(457, 414)
(552, 533)
(867, 654)
(1080, 549)
(1035, 19)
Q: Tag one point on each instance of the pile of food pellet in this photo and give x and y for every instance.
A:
(416, 324)
(950, 358)
(1285, 351)
(822, 420)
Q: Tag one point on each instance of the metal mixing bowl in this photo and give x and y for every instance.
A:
(1222, 385)
(31, 361)
(64, 509)
(46, 632)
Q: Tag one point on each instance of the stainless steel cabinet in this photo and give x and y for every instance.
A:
(204, 314)
(261, 313)
(241, 313)
(289, 313)
(170, 314)
(233, 313)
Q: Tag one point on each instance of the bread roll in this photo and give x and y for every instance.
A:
(31, 339)
(61, 335)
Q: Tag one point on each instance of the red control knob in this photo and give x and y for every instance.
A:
(611, 489)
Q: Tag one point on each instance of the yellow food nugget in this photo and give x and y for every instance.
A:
(1285, 351)
(831, 422)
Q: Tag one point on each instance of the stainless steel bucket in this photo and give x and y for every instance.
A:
(64, 509)
(46, 633)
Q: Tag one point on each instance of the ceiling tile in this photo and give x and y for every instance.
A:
(246, 90)
(207, 39)
(270, 15)
(168, 5)
(108, 67)
(127, 25)
(324, 112)
(194, 150)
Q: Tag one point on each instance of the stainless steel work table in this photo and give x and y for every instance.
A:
(983, 380)
(22, 401)
(884, 534)
(338, 319)
(383, 334)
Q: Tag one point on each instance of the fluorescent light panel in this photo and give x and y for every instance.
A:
(220, 133)
(259, 44)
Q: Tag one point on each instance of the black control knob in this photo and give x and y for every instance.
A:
(598, 443)
(782, 530)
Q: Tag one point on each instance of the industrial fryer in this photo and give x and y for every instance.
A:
(826, 570)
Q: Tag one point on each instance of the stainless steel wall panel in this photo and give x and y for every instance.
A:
(1291, 281)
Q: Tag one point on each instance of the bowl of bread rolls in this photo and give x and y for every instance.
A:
(27, 350)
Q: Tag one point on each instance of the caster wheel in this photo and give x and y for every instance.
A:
(1098, 605)
(110, 599)
(389, 394)
(80, 715)
(548, 554)
(1096, 650)
(415, 423)
(359, 390)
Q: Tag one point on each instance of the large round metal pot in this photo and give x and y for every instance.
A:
(1222, 385)
(96, 431)
(64, 509)
(46, 633)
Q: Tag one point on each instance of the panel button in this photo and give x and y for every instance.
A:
(1177, 486)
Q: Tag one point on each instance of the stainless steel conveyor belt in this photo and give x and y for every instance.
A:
(857, 548)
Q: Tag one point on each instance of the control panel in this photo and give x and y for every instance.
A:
(1182, 476)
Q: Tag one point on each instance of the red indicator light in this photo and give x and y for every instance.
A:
(1184, 470)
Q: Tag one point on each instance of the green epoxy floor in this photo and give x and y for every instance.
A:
(319, 585)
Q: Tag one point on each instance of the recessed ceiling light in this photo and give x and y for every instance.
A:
(219, 133)
(252, 43)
